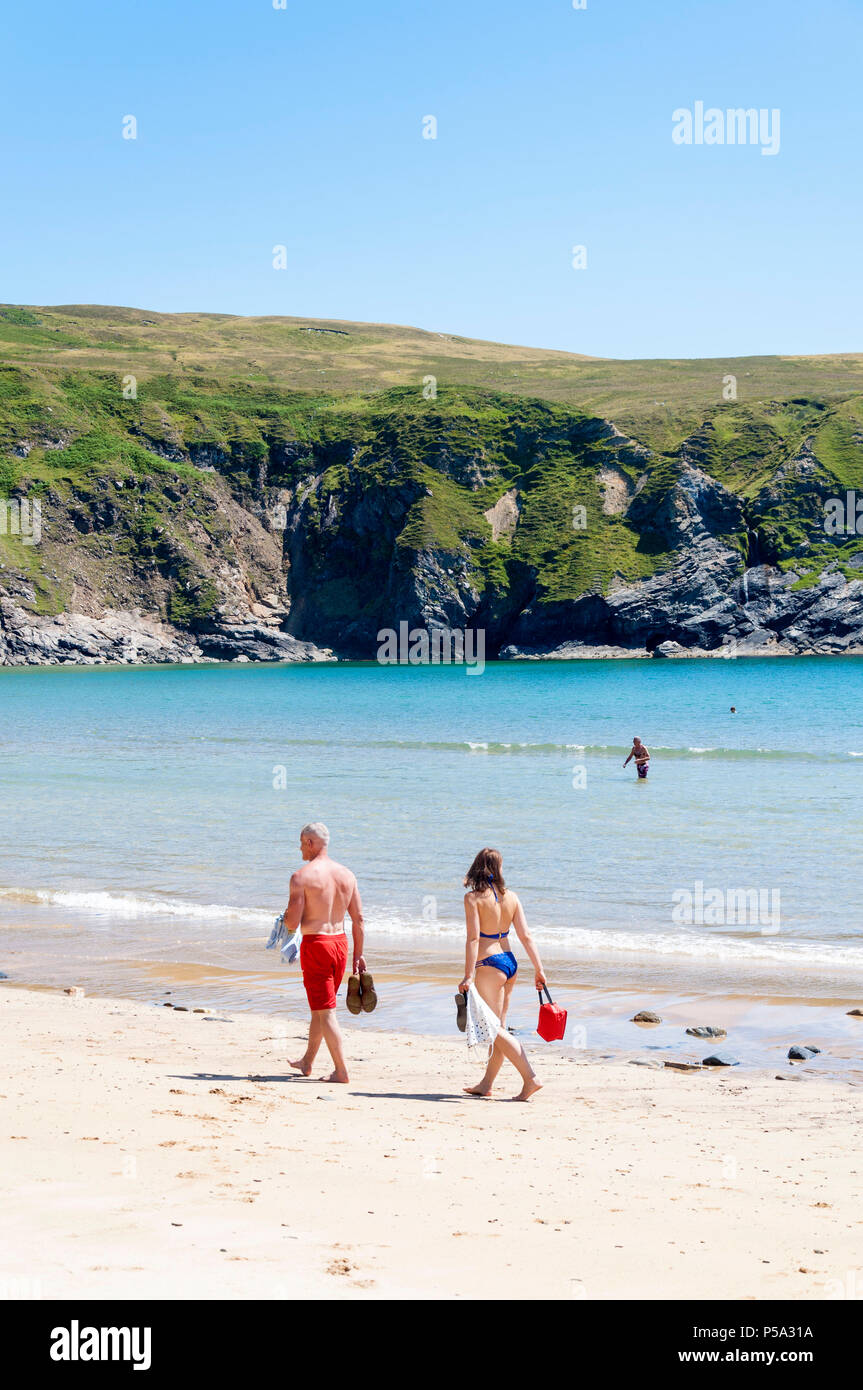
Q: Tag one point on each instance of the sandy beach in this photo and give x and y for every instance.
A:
(152, 1153)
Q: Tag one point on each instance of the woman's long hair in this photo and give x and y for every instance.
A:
(484, 873)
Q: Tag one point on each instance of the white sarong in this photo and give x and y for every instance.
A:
(482, 1026)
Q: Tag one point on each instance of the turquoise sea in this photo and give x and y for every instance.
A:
(151, 817)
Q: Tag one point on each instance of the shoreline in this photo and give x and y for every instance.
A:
(576, 654)
(162, 1154)
(129, 639)
(765, 1005)
(759, 1028)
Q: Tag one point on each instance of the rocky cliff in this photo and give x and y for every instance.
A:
(210, 519)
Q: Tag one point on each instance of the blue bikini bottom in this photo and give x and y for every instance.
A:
(504, 961)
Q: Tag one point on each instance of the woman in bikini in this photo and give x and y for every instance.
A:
(490, 909)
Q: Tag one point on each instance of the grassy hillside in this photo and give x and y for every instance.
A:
(658, 401)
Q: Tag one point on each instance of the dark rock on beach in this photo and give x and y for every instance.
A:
(645, 1016)
(799, 1053)
(684, 1066)
(855, 1013)
(721, 1059)
(707, 1031)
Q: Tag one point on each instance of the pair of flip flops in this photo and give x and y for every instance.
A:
(361, 993)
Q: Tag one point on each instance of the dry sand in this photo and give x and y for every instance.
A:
(149, 1153)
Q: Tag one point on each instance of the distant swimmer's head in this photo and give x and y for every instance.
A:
(485, 873)
(636, 741)
(314, 839)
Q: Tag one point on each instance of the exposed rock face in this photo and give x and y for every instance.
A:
(503, 516)
(134, 639)
(706, 604)
(258, 643)
(126, 638)
(617, 490)
(554, 533)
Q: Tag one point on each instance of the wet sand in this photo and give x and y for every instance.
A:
(762, 1018)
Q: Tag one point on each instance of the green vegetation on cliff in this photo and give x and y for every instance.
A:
(141, 432)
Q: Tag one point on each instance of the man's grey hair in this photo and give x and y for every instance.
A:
(316, 830)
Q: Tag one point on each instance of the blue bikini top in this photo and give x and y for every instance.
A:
(488, 935)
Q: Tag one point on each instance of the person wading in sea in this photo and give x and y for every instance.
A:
(641, 756)
(321, 893)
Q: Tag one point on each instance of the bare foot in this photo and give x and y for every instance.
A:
(480, 1090)
(340, 1076)
(303, 1066)
(529, 1089)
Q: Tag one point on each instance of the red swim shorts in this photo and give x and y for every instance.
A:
(323, 959)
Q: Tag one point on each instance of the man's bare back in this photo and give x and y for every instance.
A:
(327, 890)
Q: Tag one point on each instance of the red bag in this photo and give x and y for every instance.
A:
(552, 1019)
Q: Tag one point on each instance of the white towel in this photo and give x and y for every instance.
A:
(482, 1026)
(290, 945)
(278, 932)
(291, 949)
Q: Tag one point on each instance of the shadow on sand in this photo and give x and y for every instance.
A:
(297, 1076)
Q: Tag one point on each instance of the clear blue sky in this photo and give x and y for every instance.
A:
(303, 127)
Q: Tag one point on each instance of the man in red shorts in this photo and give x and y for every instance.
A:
(322, 891)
